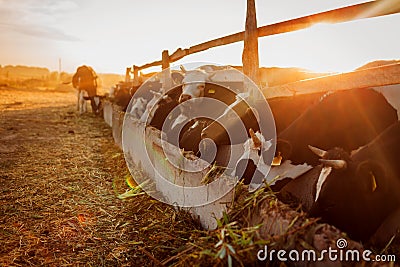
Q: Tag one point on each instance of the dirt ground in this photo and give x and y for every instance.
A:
(60, 175)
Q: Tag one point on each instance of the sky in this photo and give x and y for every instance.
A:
(113, 35)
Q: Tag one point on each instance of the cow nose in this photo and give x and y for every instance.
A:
(184, 98)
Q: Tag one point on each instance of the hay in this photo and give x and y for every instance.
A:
(59, 193)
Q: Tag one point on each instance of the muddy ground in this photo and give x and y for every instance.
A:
(60, 175)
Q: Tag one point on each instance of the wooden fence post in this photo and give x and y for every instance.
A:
(166, 71)
(135, 75)
(250, 50)
(128, 74)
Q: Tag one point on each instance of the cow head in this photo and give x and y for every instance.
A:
(193, 84)
(236, 116)
(353, 196)
(335, 158)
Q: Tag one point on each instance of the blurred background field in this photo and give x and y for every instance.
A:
(42, 78)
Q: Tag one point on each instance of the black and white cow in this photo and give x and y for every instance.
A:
(196, 83)
(85, 81)
(163, 113)
(159, 107)
(123, 92)
(137, 107)
(193, 84)
(287, 109)
(251, 165)
(190, 137)
(226, 128)
(356, 192)
(347, 119)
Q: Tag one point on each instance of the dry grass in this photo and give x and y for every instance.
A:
(60, 177)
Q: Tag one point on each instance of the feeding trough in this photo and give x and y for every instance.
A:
(137, 138)
(202, 184)
(108, 112)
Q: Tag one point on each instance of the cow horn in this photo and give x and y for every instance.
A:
(335, 163)
(317, 151)
(182, 68)
(256, 140)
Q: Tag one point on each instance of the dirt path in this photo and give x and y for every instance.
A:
(60, 175)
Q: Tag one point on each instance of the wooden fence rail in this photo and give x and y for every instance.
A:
(366, 78)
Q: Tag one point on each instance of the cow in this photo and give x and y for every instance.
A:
(121, 95)
(252, 162)
(347, 119)
(177, 77)
(137, 107)
(159, 107)
(196, 83)
(287, 109)
(123, 92)
(226, 128)
(85, 81)
(190, 137)
(358, 191)
(165, 113)
(193, 84)
(254, 166)
(284, 109)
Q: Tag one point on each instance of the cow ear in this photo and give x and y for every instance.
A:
(372, 176)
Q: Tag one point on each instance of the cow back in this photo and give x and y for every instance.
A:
(287, 109)
(346, 119)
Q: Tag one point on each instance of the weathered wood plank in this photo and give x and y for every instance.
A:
(339, 15)
(373, 77)
(166, 71)
(250, 59)
(152, 64)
